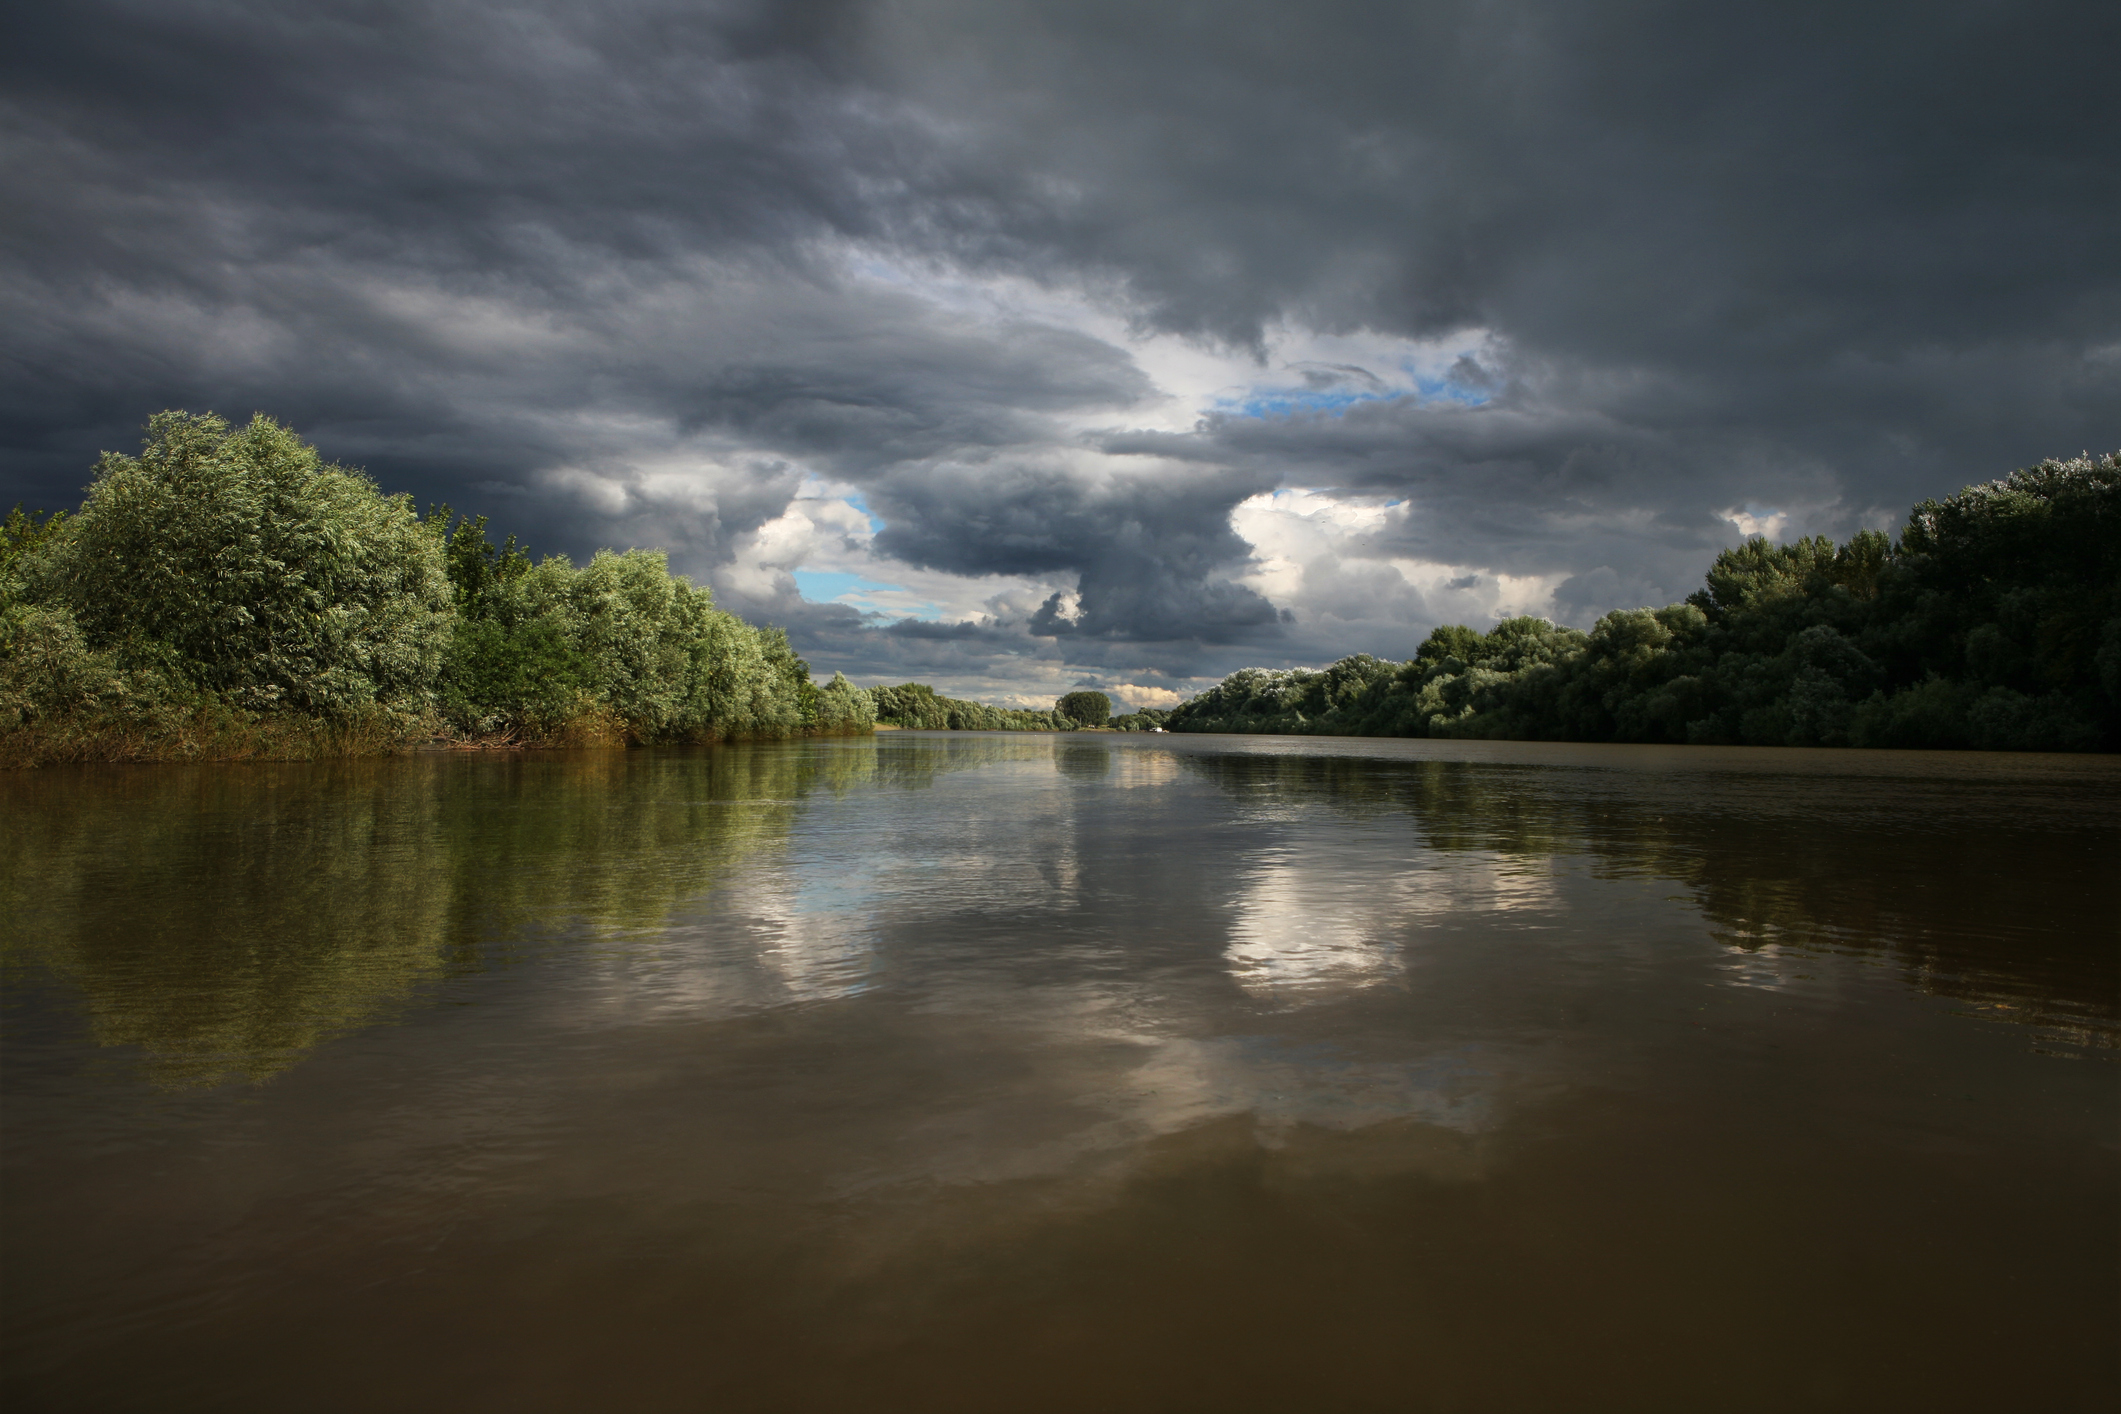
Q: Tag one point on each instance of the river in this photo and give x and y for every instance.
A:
(945, 1072)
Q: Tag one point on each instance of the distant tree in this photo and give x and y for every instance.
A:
(912, 704)
(842, 708)
(1088, 709)
(917, 705)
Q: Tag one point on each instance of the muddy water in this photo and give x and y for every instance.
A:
(985, 1072)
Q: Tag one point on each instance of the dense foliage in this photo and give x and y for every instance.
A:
(237, 557)
(1141, 719)
(227, 592)
(920, 706)
(1994, 621)
(541, 645)
(1085, 709)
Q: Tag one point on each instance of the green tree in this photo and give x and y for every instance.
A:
(479, 572)
(271, 577)
(843, 709)
(1089, 709)
(22, 535)
(226, 593)
(1449, 641)
(1994, 622)
(920, 707)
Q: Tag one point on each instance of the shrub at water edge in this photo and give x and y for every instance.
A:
(227, 593)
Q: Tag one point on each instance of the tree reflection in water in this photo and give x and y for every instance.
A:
(226, 919)
(1786, 853)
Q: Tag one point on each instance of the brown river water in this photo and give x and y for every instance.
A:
(947, 1072)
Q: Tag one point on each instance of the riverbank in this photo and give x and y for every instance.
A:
(214, 733)
(228, 595)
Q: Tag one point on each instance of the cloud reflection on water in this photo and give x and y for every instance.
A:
(1311, 920)
(223, 923)
(1300, 929)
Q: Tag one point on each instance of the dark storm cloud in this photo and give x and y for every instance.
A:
(1146, 551)
(1792, 173)
(630, 272)
(1853, 253)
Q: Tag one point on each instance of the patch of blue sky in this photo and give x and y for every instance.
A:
(1443, 389)
(1281, 404)
(889, 601)
(1284, 402)
(876, 522)
(824, 586)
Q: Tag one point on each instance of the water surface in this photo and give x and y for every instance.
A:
(979, 1072)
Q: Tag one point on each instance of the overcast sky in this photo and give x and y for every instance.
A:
(1014, 347)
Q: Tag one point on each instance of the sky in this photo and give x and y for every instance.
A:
(1021, 347)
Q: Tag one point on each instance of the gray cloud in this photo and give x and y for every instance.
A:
(1146, 551)
(642, 273)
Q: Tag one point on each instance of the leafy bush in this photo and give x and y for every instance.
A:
(62, 700)
(50, 673)
(541, 649)
(842, 709)
(22, 536)
(526, 677)
(274, 579)
(226, 593)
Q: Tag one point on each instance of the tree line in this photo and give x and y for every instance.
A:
(920, 707)
(228, 593)
(916, 705)
(1992, 621)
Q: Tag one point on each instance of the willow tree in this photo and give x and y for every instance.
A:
(255, 569)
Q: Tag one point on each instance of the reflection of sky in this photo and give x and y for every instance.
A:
(1147, 1086)
(1059, 1001)
(1303, 929)
(1055, 951)
(826, 945)
(1478, 883)
(782, 935)
(1064, 963)
(1143, 768)
(1181, 1082)
(958, 1008)
(1308, 925)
